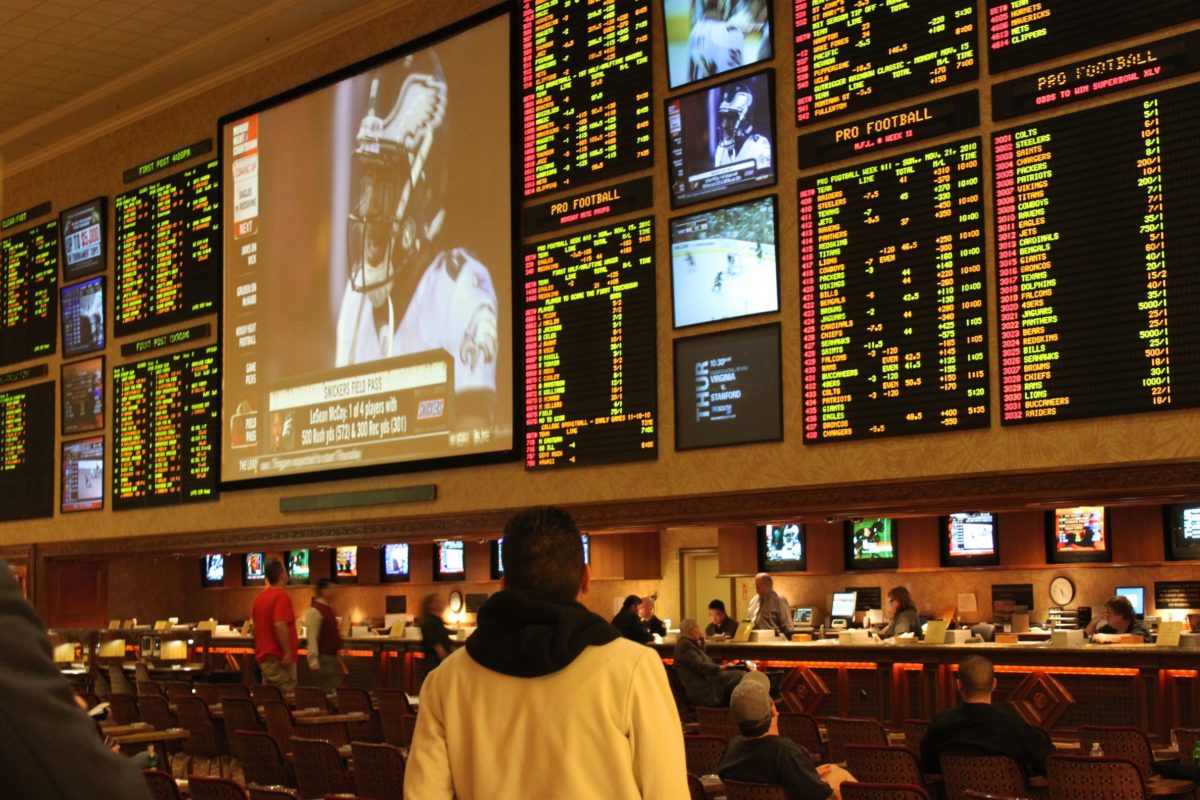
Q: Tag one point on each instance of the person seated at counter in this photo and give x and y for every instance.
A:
(649, 621)
(767, 608)
(904, 614)
(761, 755)
(435, 639)
(705, 682)
(629, 624)
(720, 623)
(977, 727)
(1116, 619)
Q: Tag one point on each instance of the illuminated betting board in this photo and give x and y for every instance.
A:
(1022, 32)
(29, 293)
(1097, 231)
(585, 91)
(590, 355)
(876, 53)
(166, 424)
(27, 452)
(168, 256)
(893, 297)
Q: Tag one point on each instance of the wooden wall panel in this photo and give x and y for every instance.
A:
(77, 594)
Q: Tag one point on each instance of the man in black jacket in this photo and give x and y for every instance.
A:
(705, 682)
(629, 623)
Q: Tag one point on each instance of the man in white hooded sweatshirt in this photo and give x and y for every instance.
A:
(546, 700)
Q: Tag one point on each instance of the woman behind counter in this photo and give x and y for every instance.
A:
(904, 614)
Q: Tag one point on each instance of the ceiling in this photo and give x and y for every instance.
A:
(89, 66)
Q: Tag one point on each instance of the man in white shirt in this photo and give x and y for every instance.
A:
(767, 608)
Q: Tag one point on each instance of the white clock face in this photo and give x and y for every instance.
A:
(1062, 591)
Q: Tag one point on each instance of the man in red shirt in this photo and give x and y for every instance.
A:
(275, 638)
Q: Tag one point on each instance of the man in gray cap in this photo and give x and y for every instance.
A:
(761, 755)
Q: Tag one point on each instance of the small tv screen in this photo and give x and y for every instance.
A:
(844, 605)
(1136, 596)
(449, 561)
(83, 396)
(83, 317)
(254, 569)
(720, 140)
(82, 231)
(1078, 535)
(83, 475)
(782, 547)
(297, 566)
(393, 568)
(871, 543)
(723, 263)
(212, 570)
(1181, 525)
(345, 564)
(968, 540)
(709, 39)
(497, 555)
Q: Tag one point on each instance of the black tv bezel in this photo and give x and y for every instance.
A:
(852, 564)
(384, 576)
(205, 582)
(516, 199)
(244, 558)
(62, 316)
(794, 565)
(662, 13)
(1173, 548)
(101, 203)
(1053, 556)
(948, 559)
(62, 396)
(449, 577)
(62, 490)
(287, 558)
(346, 580)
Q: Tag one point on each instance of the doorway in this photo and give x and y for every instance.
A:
(699, 584)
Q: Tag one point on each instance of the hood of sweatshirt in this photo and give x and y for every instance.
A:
(527, 636)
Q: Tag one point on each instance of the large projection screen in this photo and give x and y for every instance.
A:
(367, 314)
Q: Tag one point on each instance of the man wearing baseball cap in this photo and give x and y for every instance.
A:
(761, 755)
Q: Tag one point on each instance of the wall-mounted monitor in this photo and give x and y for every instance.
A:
(345, 564)
(720, 140)
(723, 263)
(83, 475)
(297, 563)
(212, 570)
(393, 567)
(82, 231)
(254, 569)
(368, 317)
(449, 561)
(83, 396)
(83, 317)
(782, 547)
(871, 543)
(709, 39)
(1136, 596)
(844, 605)
(1181, 527)
(968, 540)
(1079, 535)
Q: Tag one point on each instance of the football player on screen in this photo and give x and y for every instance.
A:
(717, 42)
(446, 295)
(738, 141)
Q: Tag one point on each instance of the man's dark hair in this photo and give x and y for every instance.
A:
(1121, 605)
(631, 602)
(717, 605)
(543, 554)
(324, 584)
(275, 572)
(976, 675)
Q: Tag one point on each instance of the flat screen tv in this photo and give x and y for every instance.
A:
(345, 564)
(871, 543)
(782, 547)
(1181, 527)
(709, 39)
(968, 540)
(297, 565)
(83, 396)
(83, 475)
(212, 570)
(254, 569)
(82, 232)
(1080, 535)
(393, 567)
(82, 307)
(449, 561)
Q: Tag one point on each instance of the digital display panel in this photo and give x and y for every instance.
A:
(590, 344)
(782, 547)
(394, 566)
(83, 396)
(27, 452)
(83, 475)
(167, 255)
(82, 230)
(1136, 596)
(968, 540)
(1021, 33)
(871, 544)
(851, 58)
(296, 562)
(893, 296)
(721, 140)
(29, 293)
(449, 561)
(844, 605)
(707, 39)
(1181, 525)
(254, 569)
(1107, 191)
(728, 388)
(345, 564)
(585, 91)
(212, 570)
(1078, 535)
(165, 430)
(83, 317)
(724, 263)
(368, 314)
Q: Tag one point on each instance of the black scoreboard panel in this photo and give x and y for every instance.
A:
(27, 452)
(166, 424)
(893, 296)
(29, 293)
(168, 250)
(585, 91)
(1024, 32)
(1098, 237)
(851, 56)
(590, 354)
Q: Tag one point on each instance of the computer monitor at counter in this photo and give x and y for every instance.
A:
(844, 604)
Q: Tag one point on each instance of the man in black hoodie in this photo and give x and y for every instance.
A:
(546, 699)
(629, 624)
